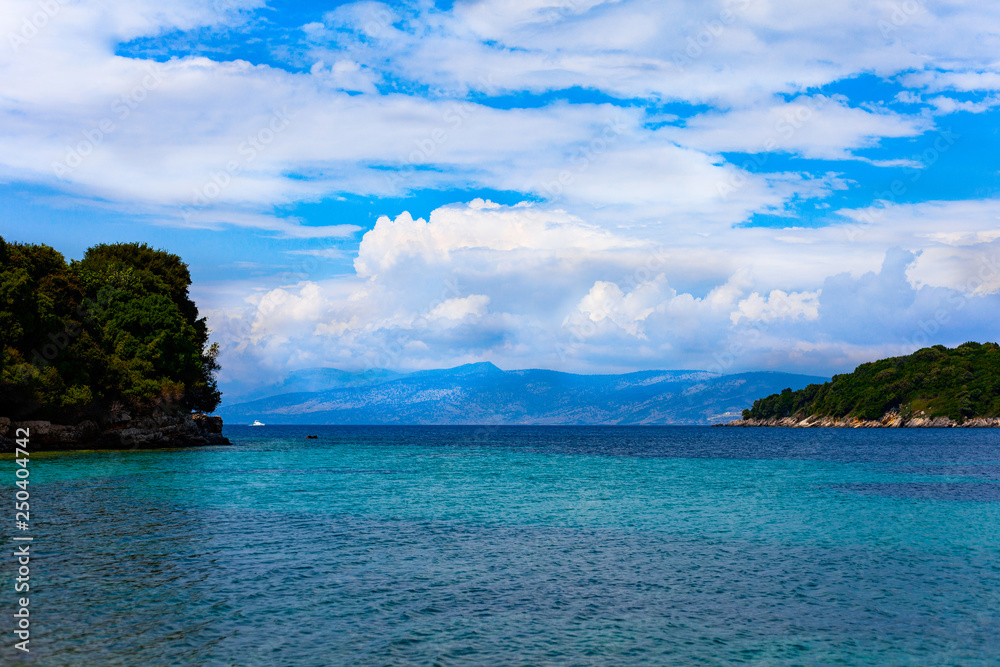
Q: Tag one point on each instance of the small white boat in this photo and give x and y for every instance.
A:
(257, 423)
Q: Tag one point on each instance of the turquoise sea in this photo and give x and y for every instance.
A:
(520, 546)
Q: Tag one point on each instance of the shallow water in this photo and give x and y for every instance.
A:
(522, 545)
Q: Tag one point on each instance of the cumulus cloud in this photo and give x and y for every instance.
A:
(480, 225)
(606, 301)
(457, 309)
(957, 243)
(526, 287)
(581, 308)
(778, 305)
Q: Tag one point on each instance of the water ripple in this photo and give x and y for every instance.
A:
(370, 550)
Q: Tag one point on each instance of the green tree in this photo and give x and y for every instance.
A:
(117, 327)
(937, 381)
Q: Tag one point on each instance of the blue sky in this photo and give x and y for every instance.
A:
(588, 185)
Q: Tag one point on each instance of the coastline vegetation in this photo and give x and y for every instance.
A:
(959, 383)
(115, 330)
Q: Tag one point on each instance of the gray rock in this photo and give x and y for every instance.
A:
(118, 431)
(889, 420)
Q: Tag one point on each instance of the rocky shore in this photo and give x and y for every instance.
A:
(891, 420)
(117, 431)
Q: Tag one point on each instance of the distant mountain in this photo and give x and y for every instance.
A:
(312, 380)
(483, 394)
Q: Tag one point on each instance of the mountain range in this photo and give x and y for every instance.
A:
(481, 393)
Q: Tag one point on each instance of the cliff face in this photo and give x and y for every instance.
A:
(890, 420)
(117, 431)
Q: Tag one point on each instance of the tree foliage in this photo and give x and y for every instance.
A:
(116, 328)
(935, 382)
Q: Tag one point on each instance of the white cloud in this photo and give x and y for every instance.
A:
(280, 227)
(698, 51)
(201, 134)
(527, 287)
(967, 269)
(606, 301)
(957, 241)
(778, 305)
(948, 105)
(497, 19)
(812, 126)
(480, 226)
(964, 81)
(345, 75)
(457, 309)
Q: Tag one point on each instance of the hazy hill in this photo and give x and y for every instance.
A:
(484, 394)
(311, 380)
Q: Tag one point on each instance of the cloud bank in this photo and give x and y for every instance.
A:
(734, 184)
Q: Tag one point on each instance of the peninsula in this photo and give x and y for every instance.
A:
(104, 352)
(933, 387)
